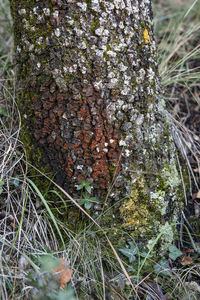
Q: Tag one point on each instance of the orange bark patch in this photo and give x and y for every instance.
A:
(76, 134)
(69, 167)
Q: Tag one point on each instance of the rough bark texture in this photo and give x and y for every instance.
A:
(88, 90)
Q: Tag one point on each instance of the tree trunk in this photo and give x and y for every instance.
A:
(89, 96)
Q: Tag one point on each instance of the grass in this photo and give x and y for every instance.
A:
(179, 53)
(30, 228)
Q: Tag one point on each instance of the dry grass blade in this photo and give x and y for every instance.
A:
(178, 45)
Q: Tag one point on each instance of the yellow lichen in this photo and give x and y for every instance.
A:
(146, 36)
(135, 212)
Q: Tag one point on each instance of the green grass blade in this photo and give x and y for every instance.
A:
(47, 208)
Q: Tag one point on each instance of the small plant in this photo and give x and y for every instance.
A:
(130, 252)
(133, 251)
(86, 199)
(162, 266)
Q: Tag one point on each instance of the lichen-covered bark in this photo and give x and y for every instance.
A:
(88, 90)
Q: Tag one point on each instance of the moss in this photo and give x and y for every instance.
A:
(75, 17)
(88, 3)
(102, 6)
(35, 157)
(134, 83)
(111, 221)
(34, 154)
(86, 42)
(94, 24)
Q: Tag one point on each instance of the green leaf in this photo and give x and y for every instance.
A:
(145, 254)
(48, 263)
(87, 205)
(88, 187)
(84, 185)
(132, 244)
(1, 190)
(94, 199)
(130, 253)
(86, 196)
(3, 112)
(81, 201)
(90, 199)
(174, 252)
(79, 187)
(162, 267)
(130, 268)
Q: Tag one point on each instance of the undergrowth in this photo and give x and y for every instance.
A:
(33, 235)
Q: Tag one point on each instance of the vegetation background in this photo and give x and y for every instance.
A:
(33, 231)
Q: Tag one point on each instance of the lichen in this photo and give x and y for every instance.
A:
(167, 236)
(134, 211)
(159, 198)
(143, 208)
(171, 176)
(146, 36)
(147, 207)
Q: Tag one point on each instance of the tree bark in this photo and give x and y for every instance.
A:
(88, 91)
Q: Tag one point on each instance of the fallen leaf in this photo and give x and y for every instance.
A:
(60, 267)
(64, 274)
(188, 251)
(186, 260)
(196, 195)
(65, 277)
